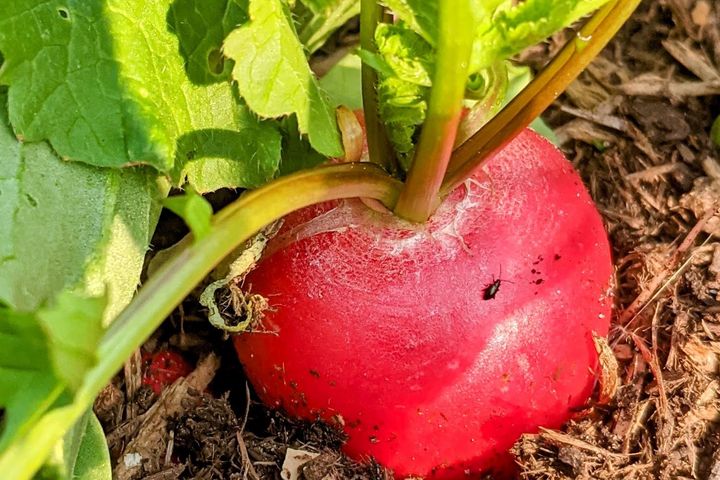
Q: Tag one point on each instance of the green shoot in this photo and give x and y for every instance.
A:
(419, 199)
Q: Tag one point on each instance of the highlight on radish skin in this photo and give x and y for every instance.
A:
(383, 329)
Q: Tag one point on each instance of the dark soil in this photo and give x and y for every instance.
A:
(636, 125)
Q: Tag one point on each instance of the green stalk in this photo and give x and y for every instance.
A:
(538, 94)
(232, 226)
(379, 147)
(170, 285)
(419, 197)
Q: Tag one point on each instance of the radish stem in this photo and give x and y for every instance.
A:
(419, 198)
(233, 225)
(379, 147)
(538, 94)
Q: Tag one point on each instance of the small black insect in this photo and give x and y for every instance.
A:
(491, 289)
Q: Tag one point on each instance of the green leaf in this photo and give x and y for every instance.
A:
(322, 7)
(194, 210)
(715, 132)
(274, 78)
(511, 29)
(67, 225)
(28, 386)
(104, 81)
(214, 158)
(62, 225)
(93, 457)
(403, 107)
(420, 15)
(326, 17)
(297, 154)
(201, 26)
(82, 454)
(343, 83)
(42, 356)
(403, 63)
(504, 27)
(66, 454)
(73, 329)
(405, 53)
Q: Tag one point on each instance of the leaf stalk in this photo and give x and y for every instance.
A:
(419, 197)
(379, 147)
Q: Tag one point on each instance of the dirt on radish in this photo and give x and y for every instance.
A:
(636, 126)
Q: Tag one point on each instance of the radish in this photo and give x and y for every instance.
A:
(162, 368)
(435, 346)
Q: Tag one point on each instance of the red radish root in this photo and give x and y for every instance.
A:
(382, 326)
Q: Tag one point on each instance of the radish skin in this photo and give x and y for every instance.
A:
(381, 327)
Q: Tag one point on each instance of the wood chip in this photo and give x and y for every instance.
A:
(109, 405)
(171, 473)
(652, 85)
(703, 200)
(562, 438)
(585, 131)
(711, 167)
(715, 466)
(701, 13)
(695, 61)
(653, 173)
(610, 121)
(702, 354)
(714, 266)
(133, 381)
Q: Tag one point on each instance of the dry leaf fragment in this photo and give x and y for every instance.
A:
(701, 13)
(294, 459)
(608, 370)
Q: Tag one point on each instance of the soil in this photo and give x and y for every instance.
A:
(637, 127)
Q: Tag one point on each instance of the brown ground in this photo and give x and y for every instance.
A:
(636, 126)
